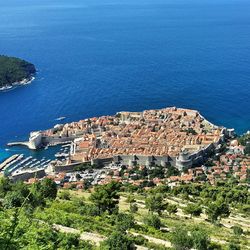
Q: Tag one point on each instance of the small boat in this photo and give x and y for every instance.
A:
(61, 155)
(60, 118)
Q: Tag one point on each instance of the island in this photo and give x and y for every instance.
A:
(15, 72)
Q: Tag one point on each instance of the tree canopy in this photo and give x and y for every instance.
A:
(106, 197)
(193, 209)
(153, 220)
(217, 210)
(183, 239)
(155, 203)
(118, 241)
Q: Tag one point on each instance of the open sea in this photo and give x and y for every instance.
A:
(97, 57)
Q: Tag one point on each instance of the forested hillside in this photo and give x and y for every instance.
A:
(124, 217)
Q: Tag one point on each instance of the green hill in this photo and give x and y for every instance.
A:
(14, 70)
(113, 216)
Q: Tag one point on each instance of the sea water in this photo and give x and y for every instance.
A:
(97, 57)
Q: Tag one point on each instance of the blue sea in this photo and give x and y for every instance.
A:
(97, 57)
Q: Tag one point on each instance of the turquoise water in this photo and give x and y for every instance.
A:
(98, 57)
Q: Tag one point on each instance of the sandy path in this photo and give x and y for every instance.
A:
(95, 238)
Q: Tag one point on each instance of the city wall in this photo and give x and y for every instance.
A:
(24, 176)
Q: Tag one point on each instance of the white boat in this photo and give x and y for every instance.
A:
(60, 118)
(59, 155)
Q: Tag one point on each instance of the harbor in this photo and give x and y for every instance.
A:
(19, 162)
(22, 160)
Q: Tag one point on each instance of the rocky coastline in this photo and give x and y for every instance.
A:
(14, 85)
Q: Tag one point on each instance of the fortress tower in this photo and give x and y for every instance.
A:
(183, 160)
(35, 140)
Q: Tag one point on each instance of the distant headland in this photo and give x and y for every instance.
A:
(15, 72)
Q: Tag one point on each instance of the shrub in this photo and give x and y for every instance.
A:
(200, 239)
(133, 208)
(153, 221)
(124, 221)
(180, 239)
(118, 241)
(172, 209)
(140, 240)
(193, 210)
(130, 199)
(233, 246)
(214, 246)
(237, 230)
(64, 195)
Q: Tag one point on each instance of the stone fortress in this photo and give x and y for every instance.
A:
(180, 137)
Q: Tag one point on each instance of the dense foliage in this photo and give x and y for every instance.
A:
(31, 216)
(19, 229)
(228, 192)
(118, 241)
(14, 70)
(106, 197)
(245, 141)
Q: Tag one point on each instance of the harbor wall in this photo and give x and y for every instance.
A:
(24, 176)
(39, 141)
(50, 140)
(63, 168)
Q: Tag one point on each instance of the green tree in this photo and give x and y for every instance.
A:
(130, 199)
(71, 241)
(237, 230)
(247, 148)
(133, 208)
(5, 186)
(200, 238)
(172, 171)
(23, 232)
(214, 246)
(106, 197)
(233, 246)
(153, 220)
(42, 190)
(64, 195)
(244, 139)
(17, 196)
(155, 203)
(181, 240)
(217, 210)
(13, 199)
(193, 209)
(124, 221)
(172, 209)
(48, 188)
(118, 241)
